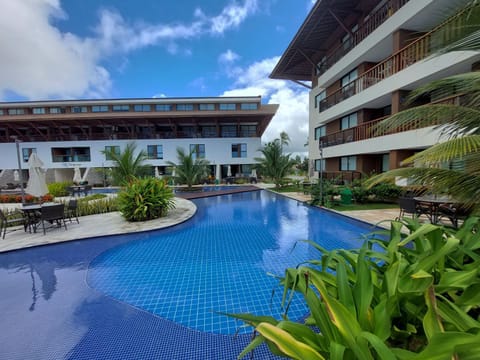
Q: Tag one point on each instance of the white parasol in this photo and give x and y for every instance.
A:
(16, 176)
(157, 173)
(229, 171)
(77, 175)
(36, 186)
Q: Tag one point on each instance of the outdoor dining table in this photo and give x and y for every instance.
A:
(33, 212)
(433, 203)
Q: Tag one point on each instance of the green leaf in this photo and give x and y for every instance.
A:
(432, 323)
(454, 280)
(287, 344)
(382, 350)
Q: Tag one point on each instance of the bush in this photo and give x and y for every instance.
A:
(145, 199)
(59, 188)
(411, 296)
(386, 191)
(16, 198)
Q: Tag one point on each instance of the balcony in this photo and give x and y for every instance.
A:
(449, 31)
(375, 19)
(370, 130)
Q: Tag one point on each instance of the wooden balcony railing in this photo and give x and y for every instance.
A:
(421, 48)
(375, 19)
(370, 130)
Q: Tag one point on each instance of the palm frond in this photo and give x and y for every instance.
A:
(447, 151)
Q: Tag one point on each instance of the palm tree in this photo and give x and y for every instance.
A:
(189, 171)
(274, 163)
(452, 166)
(128, 165)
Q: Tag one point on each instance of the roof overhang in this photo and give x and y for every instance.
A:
(297, 62)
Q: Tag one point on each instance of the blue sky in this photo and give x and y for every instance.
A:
(53, 49)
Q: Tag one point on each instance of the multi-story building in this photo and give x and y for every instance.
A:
(360, 58)
(68, 134)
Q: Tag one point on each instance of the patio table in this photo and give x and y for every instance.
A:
(433, 202)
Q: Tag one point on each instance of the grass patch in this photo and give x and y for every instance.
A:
(367, 206)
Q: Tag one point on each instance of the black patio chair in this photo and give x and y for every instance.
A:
(11, 221)
(454, 213)
(72, 210)
(53, 215)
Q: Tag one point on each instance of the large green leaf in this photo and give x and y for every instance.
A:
(287, 343)
(455, 280)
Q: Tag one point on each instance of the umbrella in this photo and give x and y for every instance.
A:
(218, 172)
(254, 173)
(77, 175)
(36, 186)
(229, 171)
(157, 173)
(16, 176)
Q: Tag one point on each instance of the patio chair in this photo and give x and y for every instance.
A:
(407, 206)
(11, 220)
(453, 212)
(54, 215)
(72, 210)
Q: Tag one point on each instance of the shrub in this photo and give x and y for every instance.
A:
(145, 199)
(59, 188)
(386, 191)
(412, 296)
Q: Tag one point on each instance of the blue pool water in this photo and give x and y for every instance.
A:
(151, 295)
(219, 261)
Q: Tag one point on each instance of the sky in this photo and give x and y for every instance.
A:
(89, 49)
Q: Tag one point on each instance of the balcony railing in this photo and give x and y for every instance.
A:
(450, 30)
(375, 19)
(370, 130)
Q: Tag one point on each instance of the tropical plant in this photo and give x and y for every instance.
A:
(128, 164)
(145, 199)
(412, 296)
(59, 188)
(274, 164)
(189, 170)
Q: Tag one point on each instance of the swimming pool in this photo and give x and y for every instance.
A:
(151, 295)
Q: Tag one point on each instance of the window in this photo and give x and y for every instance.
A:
(38, 111)
(100, 108)
(120, 108)
(348, 86)
(207, 107)
(198, 151)
(155, 151)
(248, 130)
(228, 131)
(347, 40)
(249, 106)
(320, 131)
(1, 111)
(78, 109)
(184, 107)
(163, 107)
(320, 98)
(209, 131)
(239, 150)
(349, 121)
(385, 162)
(71, 154)
(16, 111)
(111, 149)
(141, 107)
(26, 152)
(348, 163)
(56, 110)
(320, 165)
(227, 107)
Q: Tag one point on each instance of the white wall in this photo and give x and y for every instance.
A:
(217, 151)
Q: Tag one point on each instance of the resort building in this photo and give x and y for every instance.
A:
(360, 59)
(71, 134)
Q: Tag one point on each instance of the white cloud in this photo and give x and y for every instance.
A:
(228, 57)
(40, 61)
(292, 115)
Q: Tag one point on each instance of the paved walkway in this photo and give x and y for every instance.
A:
(96, 225)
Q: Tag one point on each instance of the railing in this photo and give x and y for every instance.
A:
(341, 177)
(370, 129)
(416, 51)
(375, 19)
